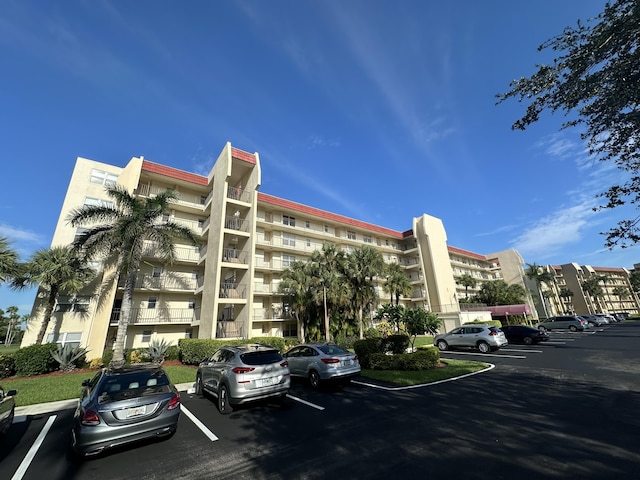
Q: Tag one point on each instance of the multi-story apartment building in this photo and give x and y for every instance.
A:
(228, 287)
(567, 293)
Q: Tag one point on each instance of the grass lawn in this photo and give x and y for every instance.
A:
(452, 368)
(9, 348)
(51, 388)
(423, 340)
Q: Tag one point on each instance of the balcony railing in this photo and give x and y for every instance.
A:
(163, 282)
(229, 329)
(236, 223)
(183, 254)
(187, 199)
(233, 255)
(237, 193)
(233, 290)
(158, 315)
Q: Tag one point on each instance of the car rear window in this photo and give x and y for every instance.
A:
(261, 358)
(331, 350)
(494, 329)
(127, 384)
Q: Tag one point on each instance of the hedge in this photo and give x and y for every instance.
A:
(7, 365)
(192, 351)
(365, 348)
(35, 360)
(495, 323)
(422, 359)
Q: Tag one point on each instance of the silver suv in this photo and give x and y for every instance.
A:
(243, 373)
(571, 322)
(483, 337)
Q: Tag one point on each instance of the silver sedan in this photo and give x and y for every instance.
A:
(322, 362)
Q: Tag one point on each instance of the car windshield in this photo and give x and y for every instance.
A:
(261, 358)
(331, 350)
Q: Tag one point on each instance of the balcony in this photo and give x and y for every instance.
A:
(233, 255)
(236, 223)
(233, 291)
(229, 329)
(237, 193)
(163, 282)
(149, 316)
(189, 200)
(183, 254)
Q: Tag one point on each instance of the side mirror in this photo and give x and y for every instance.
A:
(11, 393)
(85, 382)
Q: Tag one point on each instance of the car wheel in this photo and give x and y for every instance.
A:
(442, 345)
(198, 385)
(527, 340)
(484, 347)
(573, 328)
(223, 400)
(314, 379)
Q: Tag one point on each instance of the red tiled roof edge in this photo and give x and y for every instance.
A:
(242, 155)
(608, 269)
(466, 252)
(298, 207)
(174, 173)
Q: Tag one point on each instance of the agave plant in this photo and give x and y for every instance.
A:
(67, 355)
(157, 349)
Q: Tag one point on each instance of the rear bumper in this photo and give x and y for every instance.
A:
(255, 396)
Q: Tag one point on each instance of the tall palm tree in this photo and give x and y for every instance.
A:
(467, 281)
(327, 266)
(604, 279)
(58, 270)
(397, 284)
(537, 273)
(296, 283)
(120, 240)
(363, 265)
(9, 265)
(592, 287)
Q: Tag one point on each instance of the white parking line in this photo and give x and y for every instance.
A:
(454, 352)
(208, 433)
(312, 405)
(518, 350)
(22, 469)
(556, 343)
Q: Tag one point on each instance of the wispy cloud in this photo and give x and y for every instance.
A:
(317, 141)
(23, 241)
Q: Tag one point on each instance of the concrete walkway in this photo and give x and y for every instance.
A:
(43, 408)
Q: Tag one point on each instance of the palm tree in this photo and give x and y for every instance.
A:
(398, 284)
(592, 287)
(327, 267)
(129, 222)
(363, 265)
(537, 273)
(296, 283)
(56, 270)
(467, 281)
(567, 294)
(604, 279)
(9, 266)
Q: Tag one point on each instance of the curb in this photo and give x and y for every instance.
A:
(42, 408)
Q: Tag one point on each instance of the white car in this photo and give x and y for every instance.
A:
(483, 337)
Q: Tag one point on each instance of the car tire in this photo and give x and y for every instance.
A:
(199, 385)
(314, 379)
(527, 340)
(484, 347)
(223, 400)
(442, 345)
(573, 328)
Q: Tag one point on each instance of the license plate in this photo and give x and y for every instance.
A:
(348, 362)
(135, 411)
(267, 381)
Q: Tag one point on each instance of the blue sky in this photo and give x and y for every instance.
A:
(378, 110)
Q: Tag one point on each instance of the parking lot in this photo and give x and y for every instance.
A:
(566, 408)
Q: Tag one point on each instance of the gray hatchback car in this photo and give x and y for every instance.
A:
(243, 373)
(120, 406)
(322, 362)
(483, 337)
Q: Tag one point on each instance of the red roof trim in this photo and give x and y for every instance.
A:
(242, 155)
(466, 252)
(174, 173)
(608, 269)
(298, 207)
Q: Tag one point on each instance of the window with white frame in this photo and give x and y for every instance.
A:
(104, 178)
(351, 235)
(287, 260)
(307, 224)
(288, 240)
(151, 303)
(79, 233)
(367, 239)
(97, 202)
(146, 336)
(157, 271)
(66, 303)
(287, 220)
(308, 242)
(66, 338)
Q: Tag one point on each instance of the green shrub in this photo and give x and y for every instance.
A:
(365, 348)
(422, 359)
(495, 323)
(171, 353)
(35, 360)
(372, 332)
(157, 349)
(396, 344)
(68, 356)
(345, 341)
(107, 356)
(7, 365)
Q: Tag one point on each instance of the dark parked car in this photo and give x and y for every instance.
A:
(524, 334)
(7, 409)
(243, 373)
(322, 362)
(119, 406)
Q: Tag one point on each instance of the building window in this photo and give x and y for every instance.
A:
(288, 240)
(103, 178)
(287, 220)
(287, 260)
(146, 336)
(366, 239)
(96, 202)
(151, 303)
(188, 333)
(72, 304)
(192, 304)
(203, 199)
(307, 224)
(157, 271)
(67, 338)
(351, 235)
(326, 229)
(289, 330)
(308, 242)
(79, 233)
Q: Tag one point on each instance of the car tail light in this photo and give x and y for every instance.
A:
(330, 360)
(174, 402)
(355, 357)
(493, 334)
(242, 369)
(89, 418)
(284, 364)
